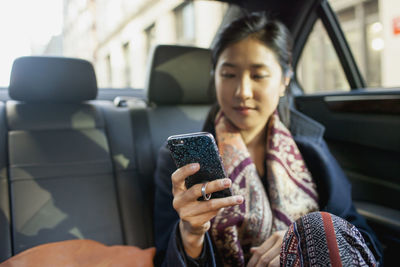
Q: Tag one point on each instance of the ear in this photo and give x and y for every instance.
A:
(284, 86)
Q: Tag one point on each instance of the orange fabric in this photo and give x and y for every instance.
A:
(82, 253)
(331, 240)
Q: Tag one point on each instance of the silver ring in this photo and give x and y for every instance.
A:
(203, 192)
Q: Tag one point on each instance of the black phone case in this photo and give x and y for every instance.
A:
(200, 148)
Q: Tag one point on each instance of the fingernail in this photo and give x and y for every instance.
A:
(226, 182)
(239, 199)
(194, 166)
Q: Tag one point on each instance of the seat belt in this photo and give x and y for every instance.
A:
(142, 142)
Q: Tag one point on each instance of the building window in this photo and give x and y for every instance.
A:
(127, 60)
(150, 37)
(319, 68)
(364, 33)
(184, 21)
(109, 70)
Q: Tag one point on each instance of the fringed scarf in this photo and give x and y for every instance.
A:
(290, 193)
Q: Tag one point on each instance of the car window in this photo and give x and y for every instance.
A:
(372, 30)
(116, 36)
(364, 32)
(28, 28)
(319, 68)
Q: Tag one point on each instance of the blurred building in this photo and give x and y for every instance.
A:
(118, 35)
(374, 38)
(55, 46)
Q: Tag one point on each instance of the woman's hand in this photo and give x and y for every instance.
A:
(196, 215)
(268, 253)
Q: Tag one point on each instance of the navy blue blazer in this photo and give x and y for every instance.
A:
(334, 191)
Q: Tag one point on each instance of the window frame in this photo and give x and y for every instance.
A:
(322, 10)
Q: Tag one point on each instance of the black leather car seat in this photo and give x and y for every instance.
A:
(65, 181)
(5, 230)
(179, 96)
(83, 168)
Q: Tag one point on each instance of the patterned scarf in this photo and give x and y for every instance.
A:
(290, 193)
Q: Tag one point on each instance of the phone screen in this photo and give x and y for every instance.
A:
(198, 148)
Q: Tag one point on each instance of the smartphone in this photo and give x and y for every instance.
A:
(199, 148)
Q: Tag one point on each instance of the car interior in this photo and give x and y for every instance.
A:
(78, 161)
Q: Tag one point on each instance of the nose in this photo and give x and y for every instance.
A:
(244, 90)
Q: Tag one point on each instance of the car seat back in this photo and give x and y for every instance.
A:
(179, 93)
(60, 171)
(5, 230)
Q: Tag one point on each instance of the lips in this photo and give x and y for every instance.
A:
(245, 110)
(244, 107)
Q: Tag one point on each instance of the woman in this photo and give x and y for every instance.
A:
(271, 217)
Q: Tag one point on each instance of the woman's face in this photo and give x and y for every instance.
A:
(248, 80)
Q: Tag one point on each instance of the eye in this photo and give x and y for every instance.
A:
(227, 75)
(260, 76)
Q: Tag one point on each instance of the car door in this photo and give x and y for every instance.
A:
(362, 125)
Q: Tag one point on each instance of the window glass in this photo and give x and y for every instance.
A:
(116, 36)
(127, 58)
(108, 69)
(184, 18)
(319, 68)
(364, 33)
(28, 28)
(150, 37)
(372, 30)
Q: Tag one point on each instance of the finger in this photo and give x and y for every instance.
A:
(275, 262)
(189, 197)
(254, 258)
(268, 256)
(258, 252)
(213, 205)
(214, 186)
(196, 218)
(179, 176)
(199, 222)
(267, 245)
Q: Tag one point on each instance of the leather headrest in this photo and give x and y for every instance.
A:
(52, 79)
(180, 75)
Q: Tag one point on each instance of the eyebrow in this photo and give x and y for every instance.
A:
(227, 64)
(257, 65)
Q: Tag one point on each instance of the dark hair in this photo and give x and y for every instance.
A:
(257, 25)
